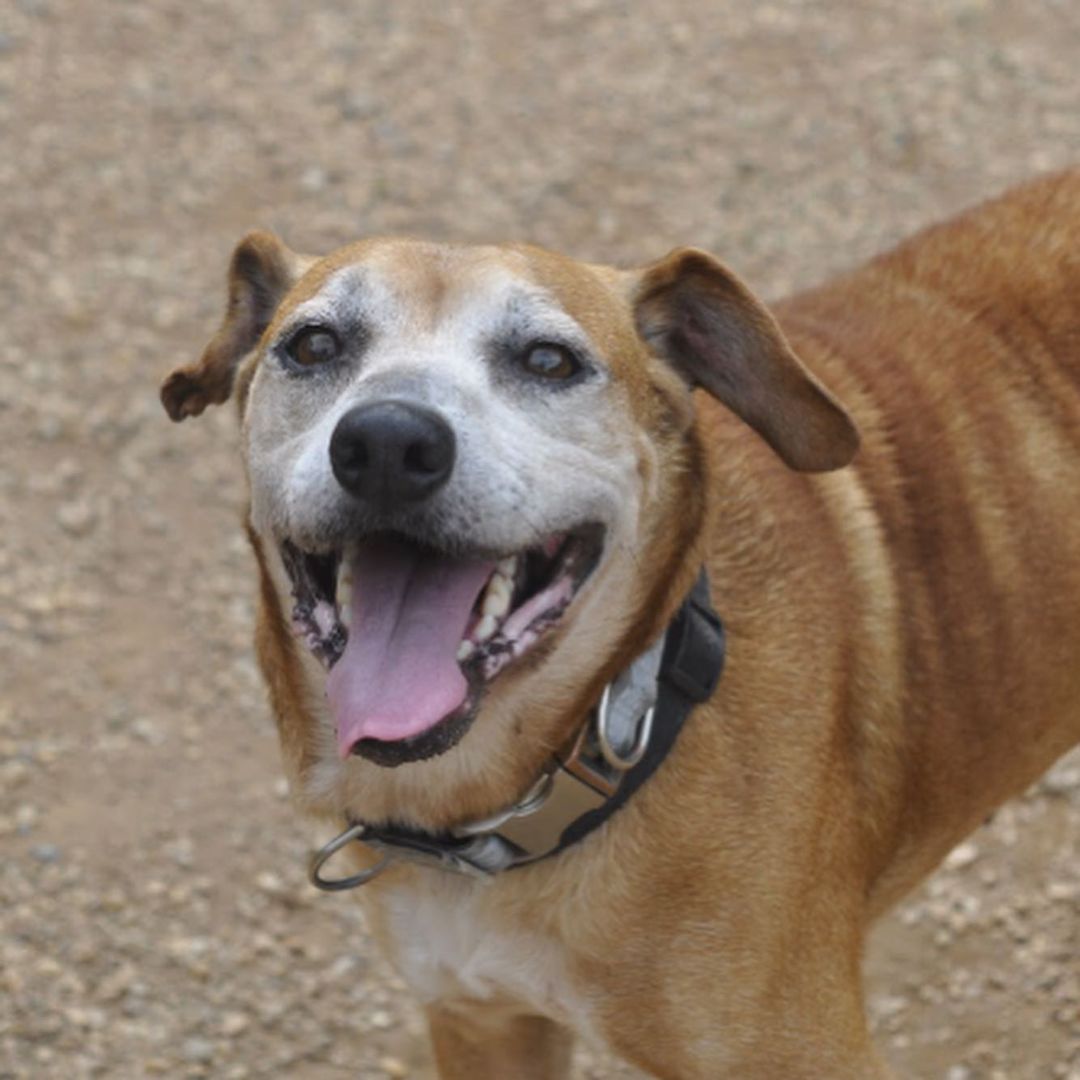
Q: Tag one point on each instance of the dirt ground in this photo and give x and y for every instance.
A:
(154, 917)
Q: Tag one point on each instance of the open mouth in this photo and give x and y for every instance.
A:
(412, 636)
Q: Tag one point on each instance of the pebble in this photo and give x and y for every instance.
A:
(91, 1019)
(45, 853)
(147, 731)
(182, 852)
(961, 856)
(14, 774)
(197, 1050)
(234, 1023)
(1061, 782)
(77, 518)
(269, 882)
(116, 985)
(382, 1020)
(50, 428)
(313, 179)
(359, 106)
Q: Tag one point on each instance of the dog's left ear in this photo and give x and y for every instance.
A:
(695, 313)
(261, 272)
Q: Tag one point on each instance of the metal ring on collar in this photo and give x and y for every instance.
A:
(327, 852)
(613, 757)
(529, 803)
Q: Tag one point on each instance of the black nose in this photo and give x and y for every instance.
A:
(389, 452)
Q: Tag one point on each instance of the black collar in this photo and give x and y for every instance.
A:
(582, 786)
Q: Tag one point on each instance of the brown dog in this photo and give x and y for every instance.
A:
(493, 454)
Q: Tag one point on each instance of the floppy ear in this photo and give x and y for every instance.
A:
(698, 315)
(261, 272)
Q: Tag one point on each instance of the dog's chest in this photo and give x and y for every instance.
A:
(447, 946)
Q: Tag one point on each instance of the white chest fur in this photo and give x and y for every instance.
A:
(449, 945)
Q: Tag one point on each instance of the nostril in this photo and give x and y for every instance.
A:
(355, 455)
(424, 457)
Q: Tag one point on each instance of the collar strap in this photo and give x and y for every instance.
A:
(621, 745)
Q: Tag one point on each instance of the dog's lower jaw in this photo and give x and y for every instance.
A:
(498, 755)
(444, 736)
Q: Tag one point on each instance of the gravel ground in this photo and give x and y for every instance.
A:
(154, 918)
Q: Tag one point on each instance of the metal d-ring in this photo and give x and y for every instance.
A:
(328, 851)
(616, 760)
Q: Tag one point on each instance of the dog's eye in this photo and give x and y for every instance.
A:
(312, 346)
(548, 361)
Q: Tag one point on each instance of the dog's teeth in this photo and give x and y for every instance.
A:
(465, 650)
(496, 605)
(344, 586)
(485, 628)
(497, 597)
(345, 614)
(508, 567)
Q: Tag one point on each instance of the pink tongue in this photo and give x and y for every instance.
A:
(399, 674)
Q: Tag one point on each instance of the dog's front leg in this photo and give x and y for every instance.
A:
(478, 1041)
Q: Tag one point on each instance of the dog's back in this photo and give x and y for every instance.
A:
(959, 355)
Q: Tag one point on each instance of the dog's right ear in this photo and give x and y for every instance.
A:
(261, 272)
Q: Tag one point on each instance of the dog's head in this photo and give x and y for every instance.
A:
(476, 489)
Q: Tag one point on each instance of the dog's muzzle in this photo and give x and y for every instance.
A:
(411, 620)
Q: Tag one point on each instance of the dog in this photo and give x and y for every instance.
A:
(645, 644)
